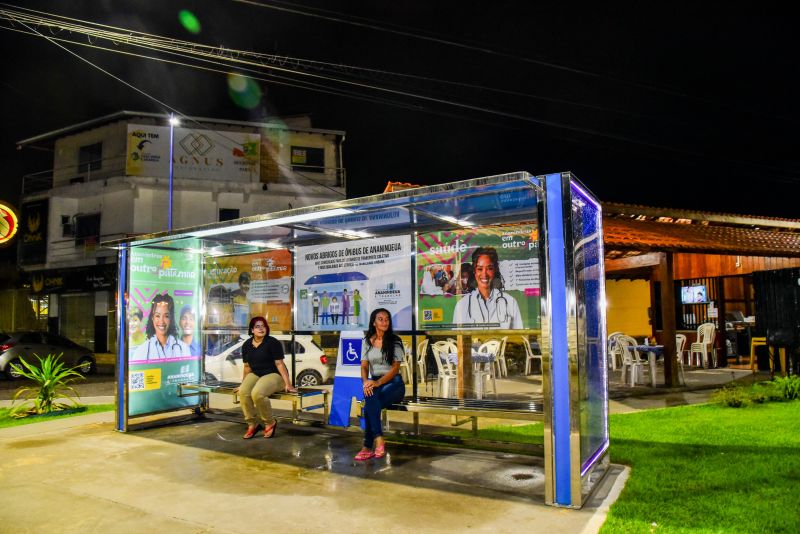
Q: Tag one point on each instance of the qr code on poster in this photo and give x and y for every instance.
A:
(427, 315)
(137, 381)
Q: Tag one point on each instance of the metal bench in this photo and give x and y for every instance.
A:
(468, 409)
(297, 399)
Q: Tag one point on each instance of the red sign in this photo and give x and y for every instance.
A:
(9, 223)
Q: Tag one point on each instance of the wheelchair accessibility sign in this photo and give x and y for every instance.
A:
(351, 351)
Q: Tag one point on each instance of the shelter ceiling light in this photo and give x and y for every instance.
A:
(271, 222)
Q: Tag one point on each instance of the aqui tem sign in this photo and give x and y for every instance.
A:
(9, 223)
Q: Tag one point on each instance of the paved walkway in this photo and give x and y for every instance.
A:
(79, 475)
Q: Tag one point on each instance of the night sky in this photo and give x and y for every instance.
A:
(683, 107)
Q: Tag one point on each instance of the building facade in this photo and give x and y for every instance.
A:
(111, 179)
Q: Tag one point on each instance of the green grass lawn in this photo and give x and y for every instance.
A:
(6, 420)
(704, 468)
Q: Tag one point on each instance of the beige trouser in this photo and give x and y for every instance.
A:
(254, 393)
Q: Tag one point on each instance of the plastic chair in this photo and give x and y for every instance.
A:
(704, 346)
(484, 372)
(447, 379)
(614, 350)
(756, 342)
(500, 358)
(405, 365)
(680, 343)
(632, 363)
(422, 351)
(529, 355)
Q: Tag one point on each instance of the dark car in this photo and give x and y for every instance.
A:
(28, 345)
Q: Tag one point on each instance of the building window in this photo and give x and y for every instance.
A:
(67, 226)
(228, 214)
(308, 159)
(87, 228)
(90, 157)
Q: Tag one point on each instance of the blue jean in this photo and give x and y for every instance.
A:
(390, 393)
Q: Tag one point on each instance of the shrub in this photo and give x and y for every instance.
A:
(788, 386)
(734, 396)
(51, 381)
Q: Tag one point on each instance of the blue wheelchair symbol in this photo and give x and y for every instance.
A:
(351, 352)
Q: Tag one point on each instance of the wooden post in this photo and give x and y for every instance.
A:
(464, 344)
(665, 274)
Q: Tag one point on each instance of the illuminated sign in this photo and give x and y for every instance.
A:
(9, 223)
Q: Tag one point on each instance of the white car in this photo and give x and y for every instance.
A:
(312, 364)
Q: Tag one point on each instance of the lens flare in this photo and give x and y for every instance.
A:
(244, 91)
(189, 21)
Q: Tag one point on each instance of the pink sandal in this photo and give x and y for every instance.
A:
(364, 454)
(380, 451)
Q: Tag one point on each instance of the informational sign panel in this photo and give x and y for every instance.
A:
(241, 287)
(486, 278)
(339, 284)
(206, 154)
(163, 330)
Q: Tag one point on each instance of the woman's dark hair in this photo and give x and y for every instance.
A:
(172, 330)
(253, 323)
(390, 339)
(491, 253)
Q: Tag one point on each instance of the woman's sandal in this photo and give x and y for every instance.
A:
(380, 451)
(270, 430)
(364, 454)
(251, 431)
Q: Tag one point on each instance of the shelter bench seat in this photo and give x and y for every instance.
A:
(298, 399)
(468, 409)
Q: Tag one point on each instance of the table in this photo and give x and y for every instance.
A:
(653, 351)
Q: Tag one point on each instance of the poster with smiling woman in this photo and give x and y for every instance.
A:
(163, 335)
(484, 278)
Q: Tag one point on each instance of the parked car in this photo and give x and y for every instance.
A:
(312, 363)
(28, 345)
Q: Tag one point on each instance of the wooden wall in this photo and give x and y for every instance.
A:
(712, 265)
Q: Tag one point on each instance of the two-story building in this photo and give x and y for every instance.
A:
(131, 173)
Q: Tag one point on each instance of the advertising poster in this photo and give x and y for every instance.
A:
(163, 328)
(487, 278)
(241, 287)
(338, 285)
(204, 154)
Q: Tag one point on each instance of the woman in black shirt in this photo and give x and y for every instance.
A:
(264, 374)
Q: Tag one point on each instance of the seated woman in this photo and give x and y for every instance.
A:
(383, 386)
(264, 374)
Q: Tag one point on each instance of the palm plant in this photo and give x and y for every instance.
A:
(51, 384)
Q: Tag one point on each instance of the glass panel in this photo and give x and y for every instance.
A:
(589, 283)
(76, 318)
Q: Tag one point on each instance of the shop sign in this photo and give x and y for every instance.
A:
(79, 280)
(9, 223)
(33, 232)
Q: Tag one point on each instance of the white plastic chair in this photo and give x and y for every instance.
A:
(704, 346)
(406, 364)
(632, 363)
(447, 381)
(500, 358)
(483, 373)
(614, 350)
(422, 351)
(680, 343)
(529, 355)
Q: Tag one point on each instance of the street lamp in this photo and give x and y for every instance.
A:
(173, 122)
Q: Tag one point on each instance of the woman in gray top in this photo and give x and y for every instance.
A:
(383, 386)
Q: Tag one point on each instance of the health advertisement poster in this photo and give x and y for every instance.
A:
(486, 278)
(339, 284)
(163, 328)
(241, 287)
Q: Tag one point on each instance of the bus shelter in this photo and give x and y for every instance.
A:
(505, 259)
